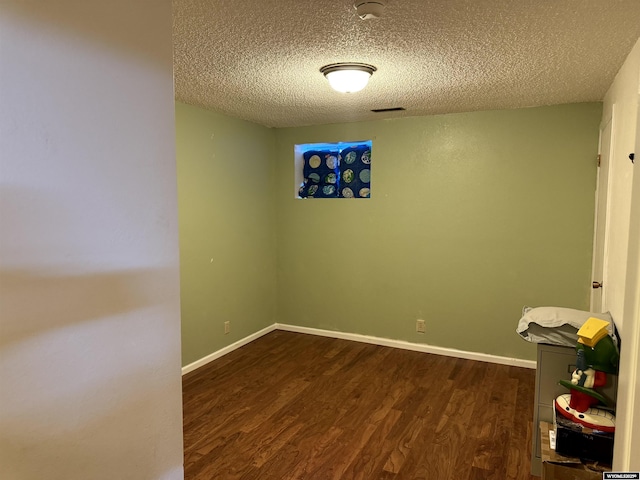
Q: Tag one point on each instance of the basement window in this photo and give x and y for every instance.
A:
(333, 170)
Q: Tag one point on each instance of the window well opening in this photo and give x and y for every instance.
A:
(333, 170)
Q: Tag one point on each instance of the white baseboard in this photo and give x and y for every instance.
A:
(385, 342)
(228, 349)
(416, 347)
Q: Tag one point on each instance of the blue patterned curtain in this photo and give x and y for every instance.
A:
(337, 172)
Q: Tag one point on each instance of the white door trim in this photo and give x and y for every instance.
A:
(610, 124)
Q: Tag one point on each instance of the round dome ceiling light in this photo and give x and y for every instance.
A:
(348, 77)
(369, 10)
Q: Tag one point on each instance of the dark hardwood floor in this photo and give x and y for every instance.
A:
(295, 406)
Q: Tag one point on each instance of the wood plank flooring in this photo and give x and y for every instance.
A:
(295, 406)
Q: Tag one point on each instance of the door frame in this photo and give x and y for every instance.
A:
(599, 216)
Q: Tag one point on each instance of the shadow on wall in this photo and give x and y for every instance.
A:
(89, 356)
(94, 21)
(39, 303)
(74, 375)
(89, 281)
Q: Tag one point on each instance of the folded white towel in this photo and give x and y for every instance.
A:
(557, 325)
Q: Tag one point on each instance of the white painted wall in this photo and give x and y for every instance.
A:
(622, 94)
(623, 277)
(90, 328)
(628, 415)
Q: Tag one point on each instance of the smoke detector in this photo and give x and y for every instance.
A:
(369, 10)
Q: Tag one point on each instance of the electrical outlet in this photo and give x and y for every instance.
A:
(227, 327)
(420, 326)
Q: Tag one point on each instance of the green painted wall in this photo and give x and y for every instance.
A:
(227, 229)
(472, 216)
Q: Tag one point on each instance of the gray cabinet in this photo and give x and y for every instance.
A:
(555, 363)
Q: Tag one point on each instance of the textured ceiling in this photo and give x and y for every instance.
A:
(260, 60)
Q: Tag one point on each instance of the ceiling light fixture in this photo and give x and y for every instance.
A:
(368, 10)
(348, 77)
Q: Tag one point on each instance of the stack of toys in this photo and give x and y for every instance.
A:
(597, 355)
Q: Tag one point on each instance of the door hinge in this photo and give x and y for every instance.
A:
(599, 159)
